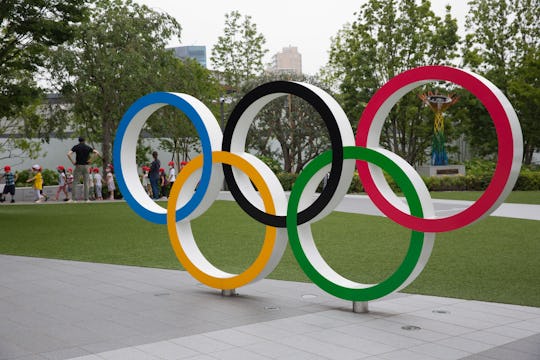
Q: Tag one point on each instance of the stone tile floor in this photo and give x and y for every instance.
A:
(55, 309)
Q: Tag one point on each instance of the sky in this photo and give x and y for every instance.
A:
(308, 25)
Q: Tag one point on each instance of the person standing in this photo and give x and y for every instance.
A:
(82, 159)
(62, 183)
(37, 184)
(91, 187)
(172, 176)
(153, 175)
(145, 181)
(69, 182)
(163, 183)
(9, 187)
(98, 183)
(109, 180)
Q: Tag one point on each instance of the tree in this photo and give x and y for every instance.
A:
(502, 44)
(387, 38)
(288, 129)
(117, 57)
(177, 133)
(238, 54)
(27, 30)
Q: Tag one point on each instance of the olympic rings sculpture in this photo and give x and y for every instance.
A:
(258, 192)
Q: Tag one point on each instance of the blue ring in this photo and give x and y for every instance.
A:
(193, 115)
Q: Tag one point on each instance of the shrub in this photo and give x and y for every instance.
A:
(528, 180)
(50, 177)
(287, 180)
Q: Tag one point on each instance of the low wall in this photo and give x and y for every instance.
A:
(26, 194)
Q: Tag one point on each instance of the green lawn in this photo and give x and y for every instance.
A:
(496, 259)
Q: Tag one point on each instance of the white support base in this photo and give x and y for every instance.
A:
(360, 306)
(228, 292)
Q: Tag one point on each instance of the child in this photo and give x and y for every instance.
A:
(163, 182)
(91, 188)
(98, 181)
(146, 181)
(109, 180)
(172, 174)
(69, 182)
(182, 164)
(37, 184)
(9, 188)
(62, 183)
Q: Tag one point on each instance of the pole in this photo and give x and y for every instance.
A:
(222, 113)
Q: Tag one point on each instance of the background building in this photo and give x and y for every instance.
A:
(288, 60)
(195, 52)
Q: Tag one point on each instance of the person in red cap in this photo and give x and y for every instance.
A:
(9, 187)
(109, 180)
(91, 186)
(37, 184)
(163, 182)
(146, 181)
(69, 183)
(62, 183)
(172, 175)
(98, 183)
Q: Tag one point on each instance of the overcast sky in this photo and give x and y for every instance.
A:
(308, 25)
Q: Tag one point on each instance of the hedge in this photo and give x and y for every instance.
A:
(527, 181)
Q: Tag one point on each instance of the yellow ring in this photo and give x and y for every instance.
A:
(259, 264)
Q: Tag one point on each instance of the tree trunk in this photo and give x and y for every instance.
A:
(107, 139)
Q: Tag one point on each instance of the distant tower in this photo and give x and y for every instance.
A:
(288, 60)
(438, 103)
(194, 52)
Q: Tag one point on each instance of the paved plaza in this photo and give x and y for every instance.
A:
(57, 309)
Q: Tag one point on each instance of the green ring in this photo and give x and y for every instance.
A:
(395, 280)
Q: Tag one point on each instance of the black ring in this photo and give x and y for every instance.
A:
(335, 139)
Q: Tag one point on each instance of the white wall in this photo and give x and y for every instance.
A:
(55, 153)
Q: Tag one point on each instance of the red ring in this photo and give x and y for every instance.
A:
(508, 147)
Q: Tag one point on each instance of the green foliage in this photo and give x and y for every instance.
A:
(27, 30)
(508, 55)
(238, 53)
(50, 177)
(478, 177)
(356, 185)
(528, 180)
(22, 176)
(176, 132)
(117, 57)
(387, 38)
(287, 180)
(288, 128)
(479, 167)
(273, 164)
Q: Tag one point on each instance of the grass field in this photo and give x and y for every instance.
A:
(496, 259)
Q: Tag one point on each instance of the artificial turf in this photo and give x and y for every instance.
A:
(496, 259)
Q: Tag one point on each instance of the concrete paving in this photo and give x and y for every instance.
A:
(56, 309)
(362, 204)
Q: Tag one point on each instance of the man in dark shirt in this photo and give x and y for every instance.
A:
(82, 159)
(153, 175)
